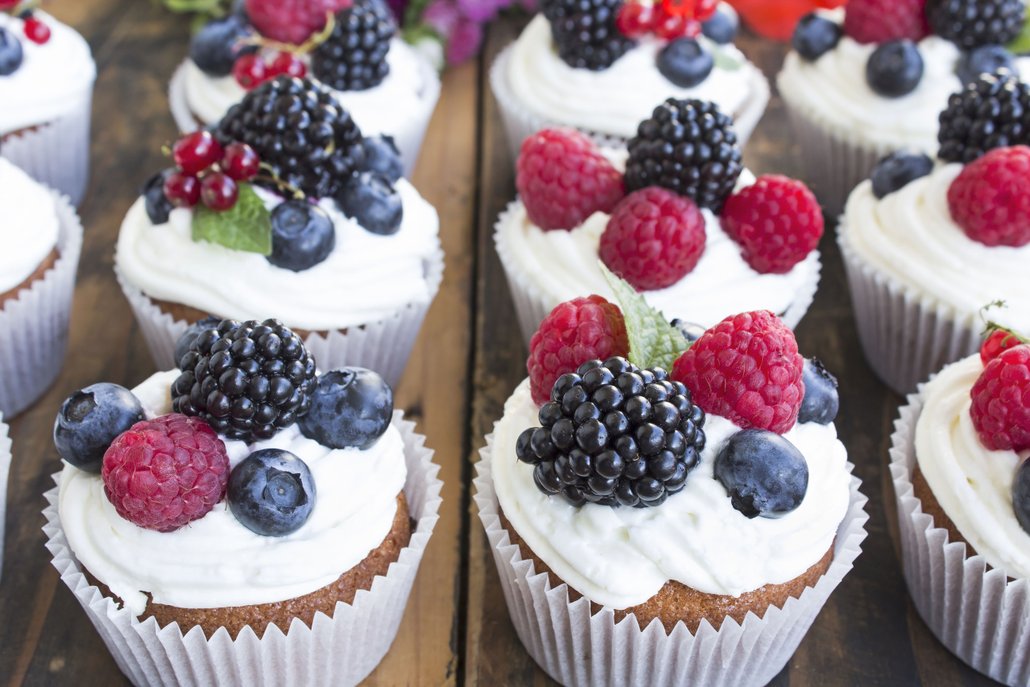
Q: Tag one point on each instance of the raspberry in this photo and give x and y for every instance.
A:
(291, 21)
(879, 21)
(747, 369)
(997, 342)
(654, 238)
(1001, 401)
(574, 332)
(990, 199)
(563, 178)
(164, 473)
(777, 222)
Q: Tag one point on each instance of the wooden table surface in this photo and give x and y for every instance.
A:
(468, 359)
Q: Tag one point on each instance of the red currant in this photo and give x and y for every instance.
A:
(218, 191)
(635, 19)
(182, 190)
(250, 71)
(193, 153)
(670, 27)
(705, 9)
(8, 4)
(36, 31)
(240, 162)
(289, 64)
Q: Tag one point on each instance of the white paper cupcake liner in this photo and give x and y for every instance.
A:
(5, 471)
(408, 140)
(905, 336)
(520, 122)
(34, 325)
(384, 345)
(56, 153)
(576, 648)
(979, 615)
(341, 650)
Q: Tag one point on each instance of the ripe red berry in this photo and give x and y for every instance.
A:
(218, 191)
(1000, 407)
(990, 198)
(195, 152)
(635, 19)
(996, 342)
(671, 26)
(8, 4)
(287, 63)
(250, 71)
(36, 31)
(182, 190)
(705, 9)
(880, 21)
(240, 162)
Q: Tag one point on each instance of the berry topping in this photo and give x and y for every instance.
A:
(990, 198)
(350, 408)
(11, 53)
(815, 36)
(722, 27)
(898, 170)
(382, 157)
(246, 380)
(36, 31)
(157, 204)
(90, 419)
(287, 64)
(183, 343)
(218, 44)
(353, 57)
(894, 69)
(218, 191)
(634, 19)
(574, 332)
(998, 341)
(777, 222)
(291, 21)
(182, 190)
(653, 239)
(250, 71)
(987, 59)
(165, 473)
(991, 112)
(1001, 401)
(821, 402)
(1021, 495)
(972, 23)
(880, 21)
(764, 474)
(371, 200)
(746, 369)
(302, 235)
(585, 32)
(685, 62)
(687, 146)
(195, 152)
(615, 435)
(563, 178)
(271, 492)
(240, 162)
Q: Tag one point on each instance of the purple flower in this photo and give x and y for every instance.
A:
(442, 16)
(398, 7)
(464, 41)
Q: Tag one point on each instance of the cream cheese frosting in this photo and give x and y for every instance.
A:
(28, 231)
(215, 561)
(620, 557)
(366, 278)
(52, 79)
(972, 483)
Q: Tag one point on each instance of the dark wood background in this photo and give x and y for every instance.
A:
(468, 359)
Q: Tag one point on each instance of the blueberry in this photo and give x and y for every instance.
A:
(382, 156)
(371, 199)
(821, 401)
(183, 343)
(987, 59)
(1021, 495)
(302, 235)
(154, 198)
(722, 27)
(218, 43)
(894, 69)
(690, 331)
(11, 54)
(350, 408)
(897, 170)
(685, 63)
(764, 474)
(90, 419)
(815, 36)
(271, 492)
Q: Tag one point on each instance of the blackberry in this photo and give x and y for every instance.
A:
(247, 380)
(353, 58)
(992, 112)
(615, 435)
(299, 130)
(972, 23)
(585, 32)
(689, 147)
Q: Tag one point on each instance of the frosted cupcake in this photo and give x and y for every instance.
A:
(270, 522)
(302, 216)
(699, 238)
(46, 87)
(5, 469)
(387, 86)
(637, 55)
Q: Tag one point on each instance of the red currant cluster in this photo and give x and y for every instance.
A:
(253, 69)
(35, 30)
(667, 19)
(207, 172)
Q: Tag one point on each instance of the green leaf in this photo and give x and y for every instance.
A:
(246, 226)
(653, 342)
(1021, 43)
(724, 60)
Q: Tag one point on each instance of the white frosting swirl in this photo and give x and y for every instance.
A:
(367, 276)
(52, 79)
(28, 231)
(621, 557)
(972, 484)
(216, 562)
(615, 100)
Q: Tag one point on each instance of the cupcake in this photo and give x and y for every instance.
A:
(700, 240)
(5, 468)
(690, 516)
(388, 87)
(302, 216)
(870, 80)
(962, 486)
(278, 520)
(46, 87)
(40, 240)
(928, 245)
(639, 52)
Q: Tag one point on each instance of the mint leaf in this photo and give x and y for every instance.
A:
(653, 342)
(1021, 43)
(724, 60)
(246, 226)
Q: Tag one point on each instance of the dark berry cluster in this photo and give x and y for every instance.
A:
(973, 23)
(615, 435)
(992, 112)
(353, 57)
(585, 32)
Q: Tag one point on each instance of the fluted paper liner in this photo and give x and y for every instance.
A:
(980, 615)
(384, 345)
(519, 122)
(5, 471)
(576, 648)
(341, 650)
(408, 140)
(34, 325)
